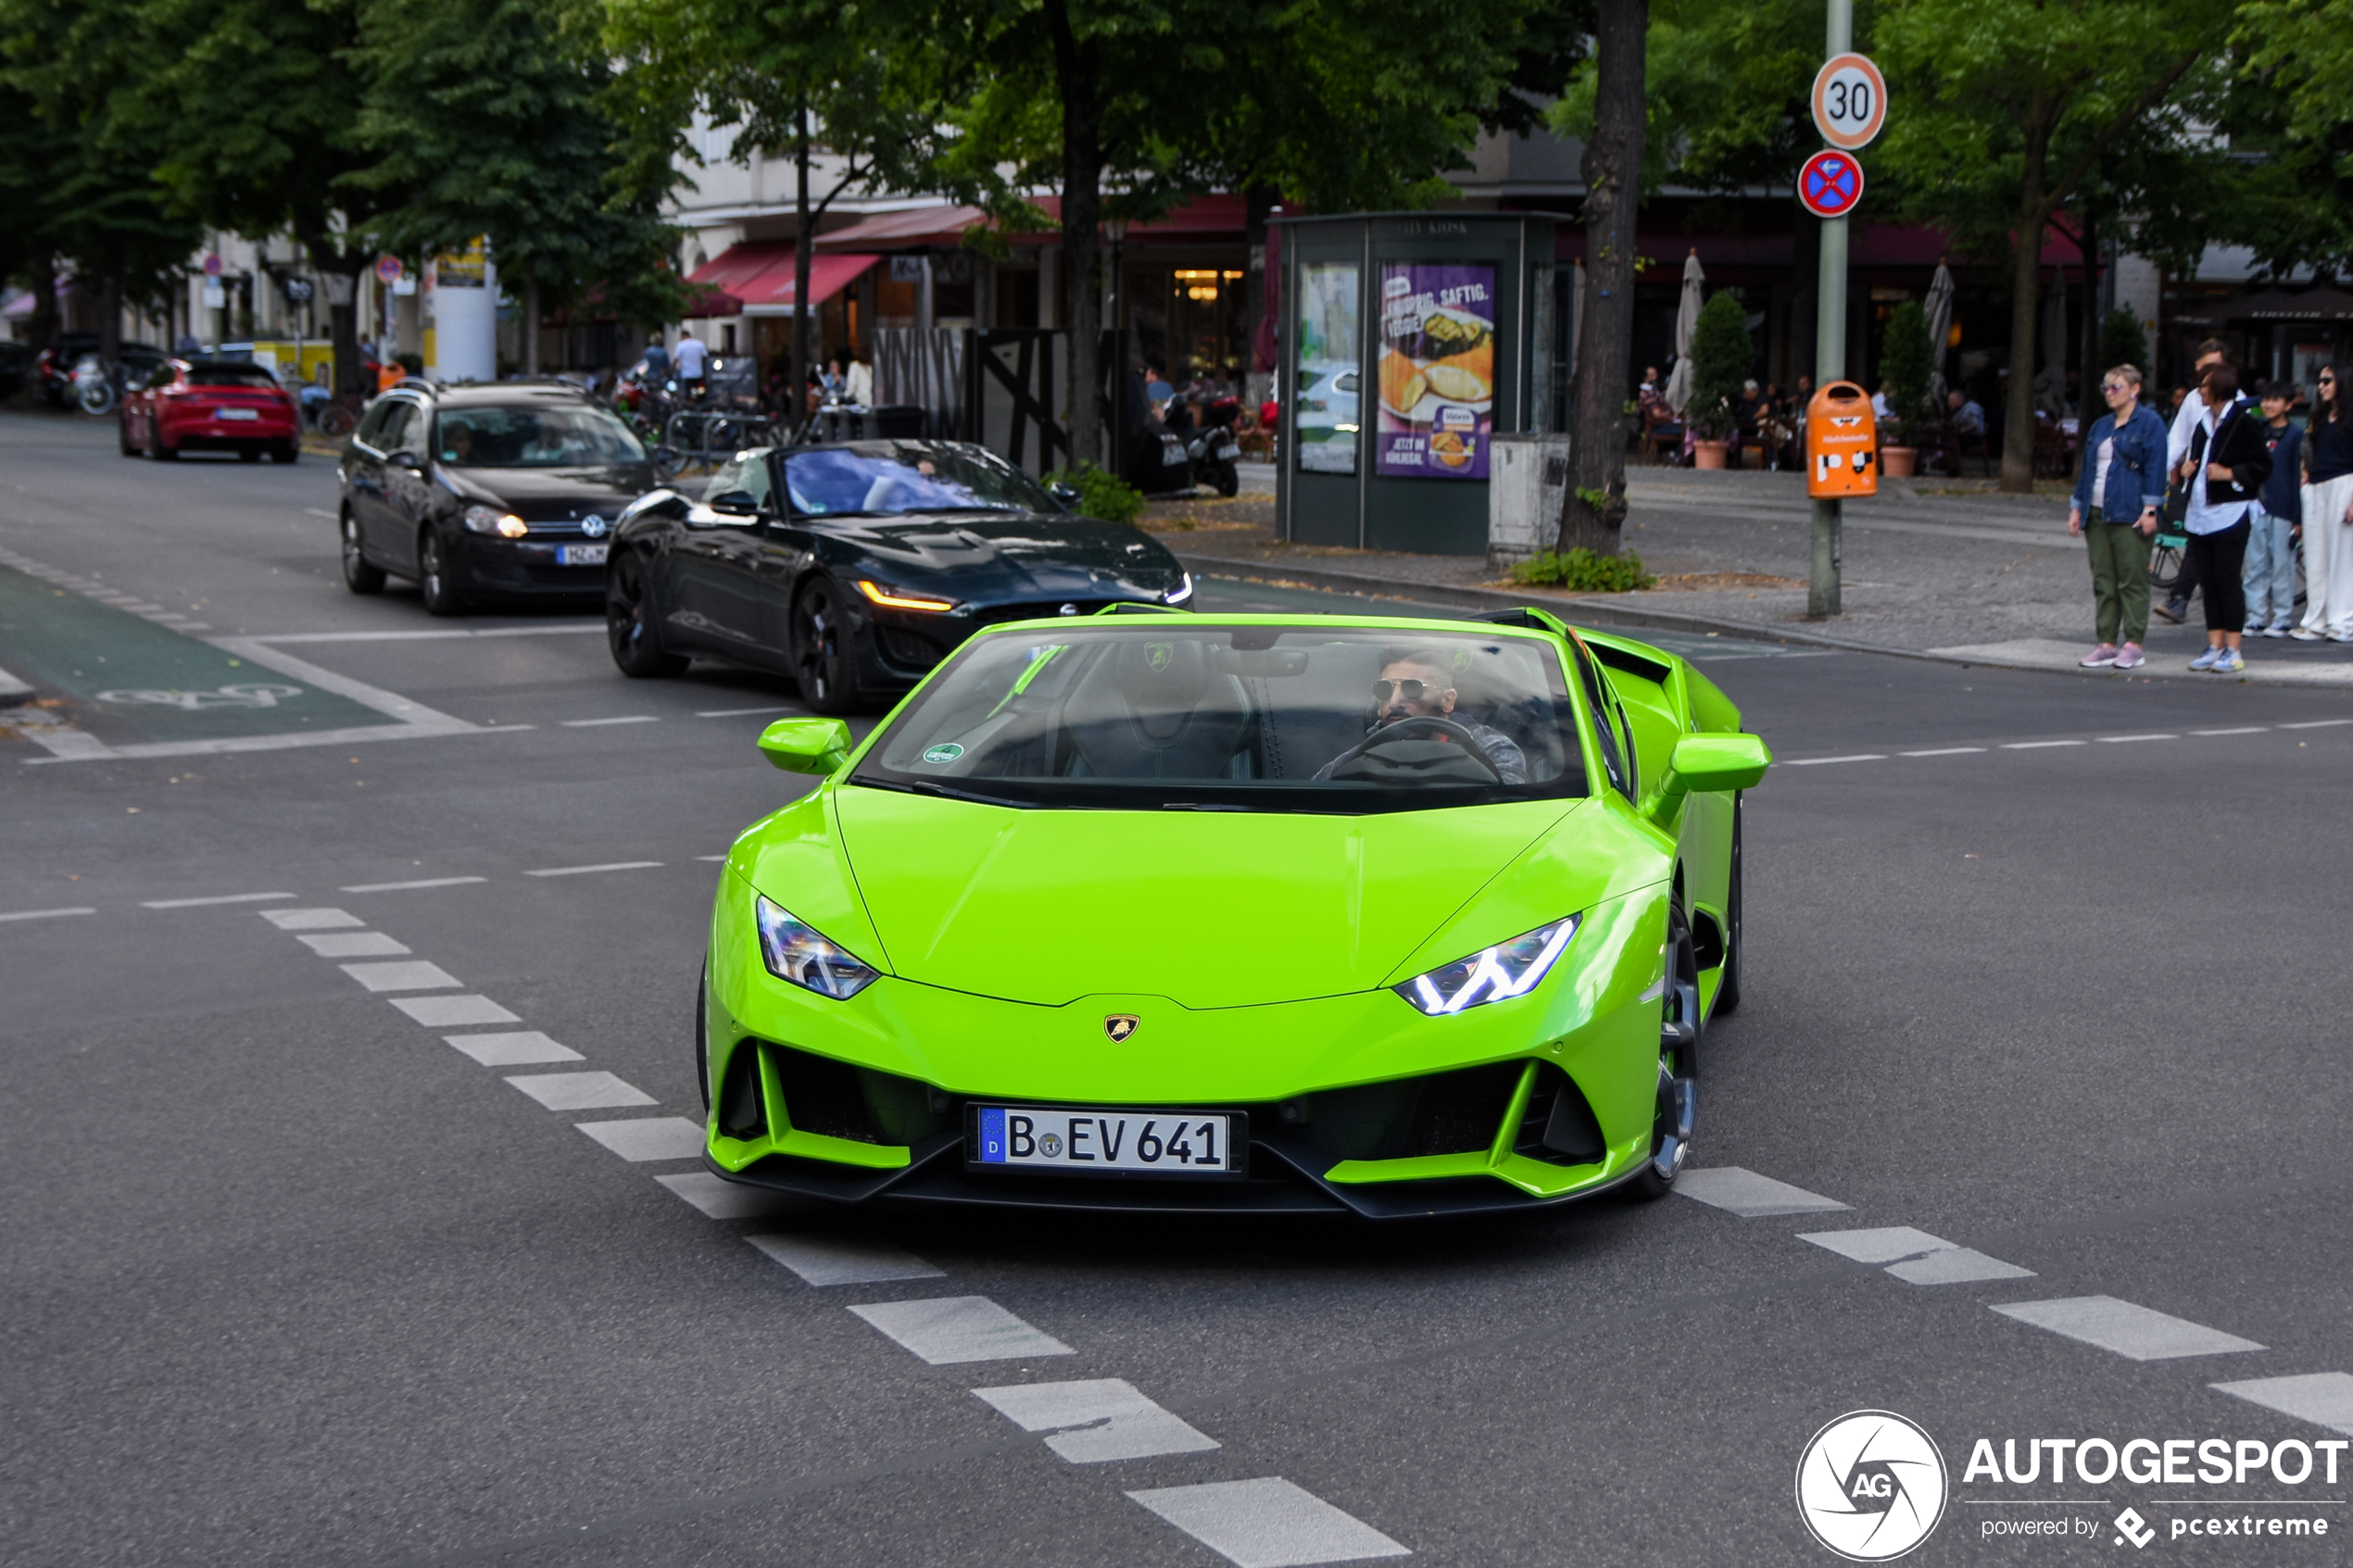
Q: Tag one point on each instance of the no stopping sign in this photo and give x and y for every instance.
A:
(1831, 184)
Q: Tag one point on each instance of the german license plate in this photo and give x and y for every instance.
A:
(581, 555)
(236, 413)
(1229, 452)
(1032, 1137)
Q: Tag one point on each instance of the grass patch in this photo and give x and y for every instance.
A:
(1580, 571)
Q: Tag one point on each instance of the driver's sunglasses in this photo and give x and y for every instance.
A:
(1413, 691)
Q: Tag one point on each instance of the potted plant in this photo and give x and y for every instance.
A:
(1905, 362)
(1721, 358)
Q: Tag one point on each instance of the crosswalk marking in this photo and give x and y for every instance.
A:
(952, 1329)
(352, 945)
(1267, 1523)
(519, 1048)
(647, 1138)
(2137, 1333)
(450, 1012)
(312, 920)
(2325, 1398)
(415, 975)
(843, 1259)
(1749, 1195)
(580, 1091)
(1112, 1420)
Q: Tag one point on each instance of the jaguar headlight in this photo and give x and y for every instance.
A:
(1492, 975)
(490, 519)
(798, 953)
(1179, 594)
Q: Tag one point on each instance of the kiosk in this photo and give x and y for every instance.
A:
(1410, 340)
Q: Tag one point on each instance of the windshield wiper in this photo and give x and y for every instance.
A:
(923, 787)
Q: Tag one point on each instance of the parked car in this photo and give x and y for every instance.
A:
(53, 367)
(209, 406)
(16, 362)
(476, 493)
(857, 565)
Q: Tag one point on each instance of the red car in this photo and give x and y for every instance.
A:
(211, 406)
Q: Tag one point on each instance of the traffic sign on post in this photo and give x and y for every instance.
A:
(389, 269)
(1850, 101)
(212, 266)
(1831, 184)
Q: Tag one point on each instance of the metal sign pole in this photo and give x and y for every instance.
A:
(1829, 355)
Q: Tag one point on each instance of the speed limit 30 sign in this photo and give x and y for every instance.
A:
(1850, 101)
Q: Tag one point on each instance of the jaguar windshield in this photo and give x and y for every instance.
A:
(892, 478)
(1170, 714)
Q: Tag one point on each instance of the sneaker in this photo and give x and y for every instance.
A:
(2279, 631)
(2304, 634)
(2205, 660)
(2129, 657)
(2172, 611)
(2341, 637)
(2104, 654)
(2230, 663)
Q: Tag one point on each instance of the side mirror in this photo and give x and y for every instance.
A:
(1710, 765)
(1067, 494)
(404, 459)
(807, 745)
(734, 503)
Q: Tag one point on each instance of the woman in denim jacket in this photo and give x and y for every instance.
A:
(2117, 497)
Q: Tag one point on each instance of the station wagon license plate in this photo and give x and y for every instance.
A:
(1034, 1137)
(236, 413)
(581, 555)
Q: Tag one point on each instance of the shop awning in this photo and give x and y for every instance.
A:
(2270, 305)
(771, 294)
(916, 227)
(720, 281)
(1204, 218)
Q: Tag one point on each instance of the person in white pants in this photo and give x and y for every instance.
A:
(2328, 513)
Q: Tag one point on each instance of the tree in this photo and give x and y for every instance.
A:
(1595, 510)
(2122, 342)
(1722, 355)
(1907, 360)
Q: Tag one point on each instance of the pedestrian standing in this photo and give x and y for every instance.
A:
(2269, 577)
(2327, 500)
(2189, 408)
(2117, 497)
(2232, 459)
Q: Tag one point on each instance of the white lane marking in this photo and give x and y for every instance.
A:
(87, 749)
(710, 856)
(583, 871)
(521, 1048)
(843, 1259)
(1825, 761)
(1883, 1245)
(720, 1199)
(47, 914)
(1749, 1195)
(580, 1091)
(2317, 724)
(414, 715)
(1267, 1523)
(407, 887)
(1117, 1422)
(2038, 744)
(450, 1012)
(222, 899)
(311, 919)
(414, 975)
(2122, 740)
(314, 511)
(959, 1328)
(1943, 751)
(629, 718)
(1956, 1265)
(435, 636)
(2241, 730)
(742, 712)
(11, 686)
(2325, 1398)
(2137, 1333)
(651, 1138)
(353, 945)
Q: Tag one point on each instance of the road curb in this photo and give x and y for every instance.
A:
(1604, 613)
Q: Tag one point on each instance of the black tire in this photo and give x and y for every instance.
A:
(157, 451)
(1680, 1028)
(825, 650)
(433, 581)
(1727, 986)
(286, 452)
(2165, 568)
(123, 438)
(702, 1038)
(336, 421)
(1228, 480)
(631, 629)
(358, 575)
(248, 454)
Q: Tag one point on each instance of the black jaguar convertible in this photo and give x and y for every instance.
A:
(856, 567)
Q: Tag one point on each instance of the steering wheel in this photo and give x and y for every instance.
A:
(1432, 722)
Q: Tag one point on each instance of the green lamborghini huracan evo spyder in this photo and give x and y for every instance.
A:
(1159, 911)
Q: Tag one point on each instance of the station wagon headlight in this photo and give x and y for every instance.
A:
(799, 954)
(1179, 594)
(490, 519)
(1492, 975)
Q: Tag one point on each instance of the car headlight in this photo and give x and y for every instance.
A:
(490, 519)
(797, 953)
(1179, 594)
(1492, 975)
(889, 597)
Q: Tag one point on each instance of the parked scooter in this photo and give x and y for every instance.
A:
(96, 386)
(1214, 451)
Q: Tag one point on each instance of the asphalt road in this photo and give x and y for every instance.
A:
(2046, 970)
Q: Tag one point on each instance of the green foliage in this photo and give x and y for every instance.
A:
(1906, 361)
(1103, 495)
(2122, 342)
(1580, 571)
(1597, 500)
(1721, 357)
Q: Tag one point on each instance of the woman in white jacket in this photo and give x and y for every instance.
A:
(2328, 513)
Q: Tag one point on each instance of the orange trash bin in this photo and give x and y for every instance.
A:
(1842, 442)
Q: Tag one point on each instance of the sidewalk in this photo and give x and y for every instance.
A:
(1934, 567)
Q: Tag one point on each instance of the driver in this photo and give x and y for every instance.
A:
(1416, 685)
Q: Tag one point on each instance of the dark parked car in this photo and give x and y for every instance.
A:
(53, 367)
(476, 493)
(855, 567)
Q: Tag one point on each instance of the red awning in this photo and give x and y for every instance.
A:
(916, 226)
(771, 294)
(720, 281)
(1219, 217)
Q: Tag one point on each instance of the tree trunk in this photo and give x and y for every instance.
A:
(2026, 277)
(41, 328)
(2089, 242)
(110, 314)
(1074, 72)
(1613, 172)
(530, 330)
(1258, 205)
(803, 265)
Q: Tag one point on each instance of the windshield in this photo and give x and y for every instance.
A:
(1168, 713)
(888, 479)
(229, 375)
(543, 435)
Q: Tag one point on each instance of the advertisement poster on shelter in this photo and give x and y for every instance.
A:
(1437, 372)
(1328, 368)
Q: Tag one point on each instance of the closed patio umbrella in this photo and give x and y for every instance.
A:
(1940, 327)
(1678, 379)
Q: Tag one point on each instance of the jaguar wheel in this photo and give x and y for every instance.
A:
(630, 631)
(1676, 1103)
(824, 651)
(358, 575)
(434, 583)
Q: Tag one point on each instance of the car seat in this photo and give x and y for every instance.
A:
(1154, 709)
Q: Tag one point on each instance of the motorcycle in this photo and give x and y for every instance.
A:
(1214, 451)
(95, 386)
